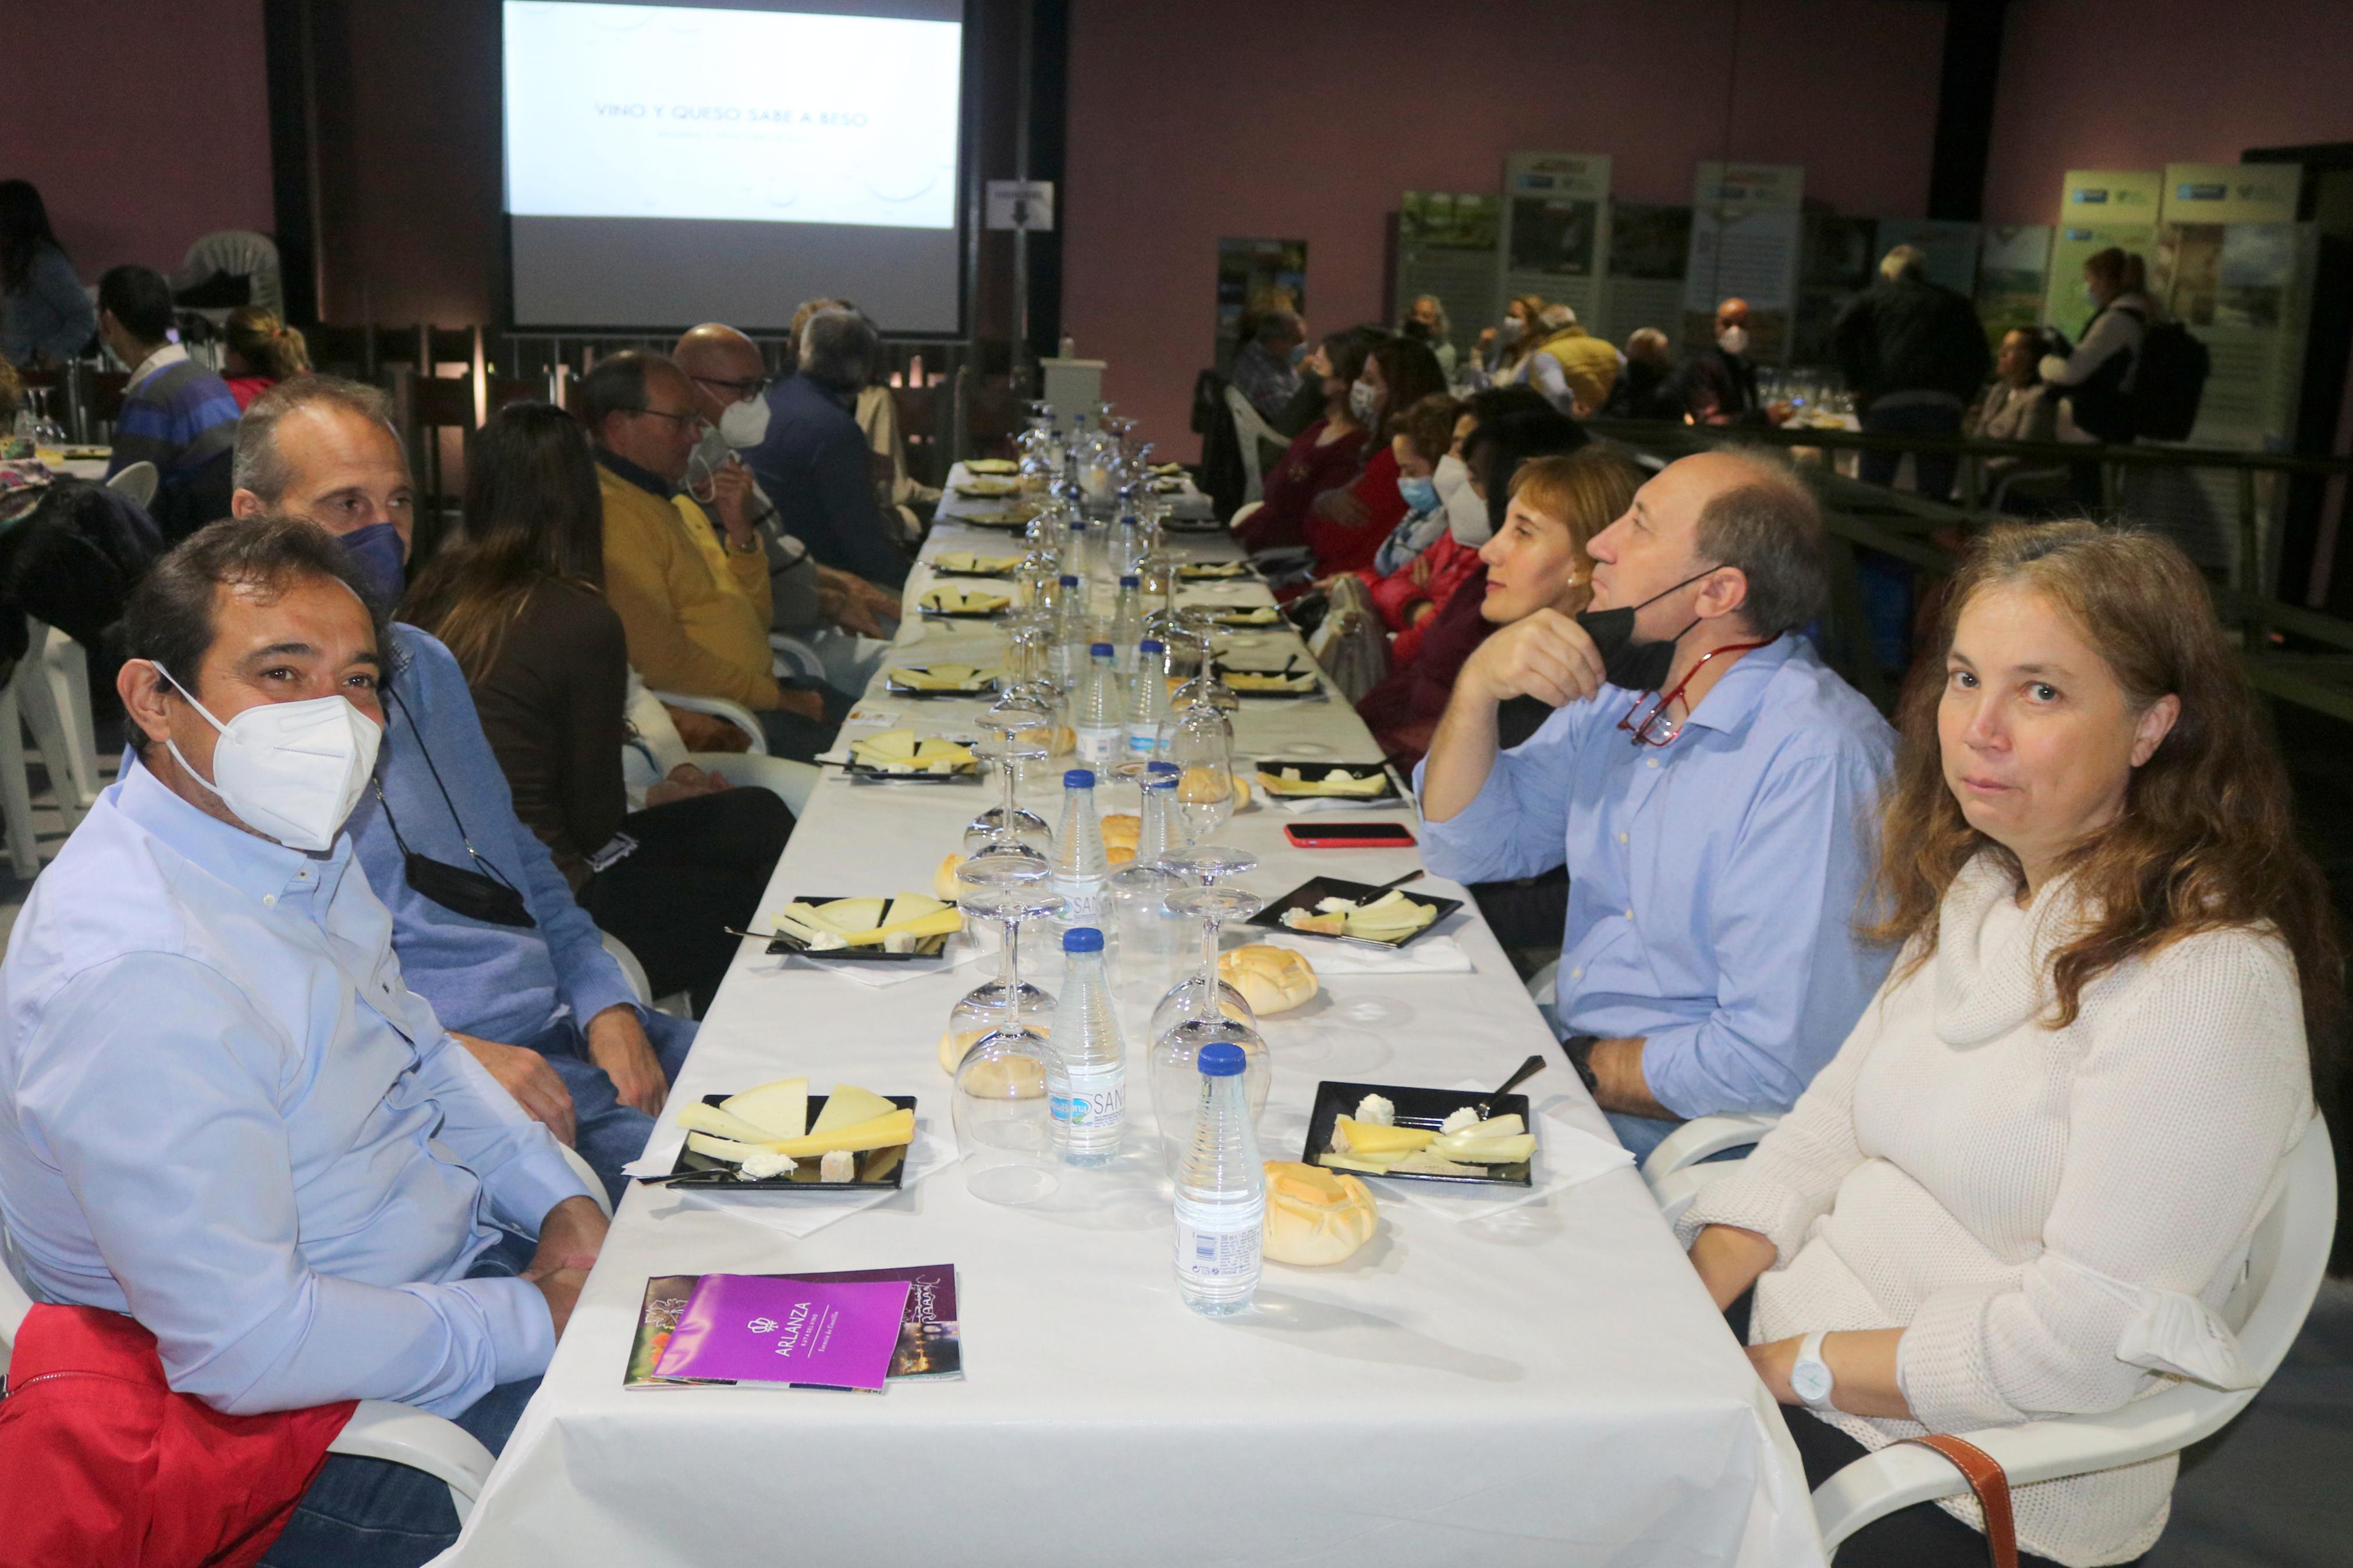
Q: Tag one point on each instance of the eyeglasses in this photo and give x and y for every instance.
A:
(751, 387)
(1643, 731)
(691, 421)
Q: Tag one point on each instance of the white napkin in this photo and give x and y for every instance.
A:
(1320, 804)
(1431, 955)
(1566, 1155)
(797, 1214)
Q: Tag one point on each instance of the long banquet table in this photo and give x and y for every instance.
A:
(1547, 1384)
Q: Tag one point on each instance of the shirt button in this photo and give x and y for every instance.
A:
(269, 898)
(1630, 914)
(1654, 762)
(1621, 838)
(1577, 975)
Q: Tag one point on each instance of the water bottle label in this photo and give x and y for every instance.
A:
(1098, 744)
(1214, 1258)
(1082, 903)
(1093, 1101)
(1144, 743)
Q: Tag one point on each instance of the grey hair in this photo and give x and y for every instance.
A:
(1648, 338)
(839, 350)
(1769, 526)
(1553, 318)
(1445, 324)
(257, 465)
(1904, 261)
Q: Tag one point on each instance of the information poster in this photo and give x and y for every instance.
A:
(2014, 271)
(1556, 221)
(1447, 244)
(1744, 245)
(2097, 208)
(1649, 244)
(1253, 276)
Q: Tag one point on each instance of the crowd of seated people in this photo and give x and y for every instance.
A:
(341, 918)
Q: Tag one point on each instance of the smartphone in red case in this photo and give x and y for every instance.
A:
(1349, 834)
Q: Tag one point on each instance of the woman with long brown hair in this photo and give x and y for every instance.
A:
(2030, 1177)
(258, 352)
(520, 605)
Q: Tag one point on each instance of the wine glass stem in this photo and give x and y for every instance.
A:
(1011, 977)
(1009, 766)
(1209, 968)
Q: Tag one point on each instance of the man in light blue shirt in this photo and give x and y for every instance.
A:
(1718, 836)
(222, 1110)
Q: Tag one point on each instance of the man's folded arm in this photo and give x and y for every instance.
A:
(166, 1122)
(522, 1166)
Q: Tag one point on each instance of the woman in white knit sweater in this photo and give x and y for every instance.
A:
(2033, 1168)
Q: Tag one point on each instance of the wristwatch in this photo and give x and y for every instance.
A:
(1579, 1049)
(1809, 1380)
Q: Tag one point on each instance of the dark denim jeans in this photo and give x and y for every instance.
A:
(607, 1133)
(1934, 471)
(373, 1513)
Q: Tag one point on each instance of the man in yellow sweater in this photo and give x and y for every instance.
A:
(690, 586)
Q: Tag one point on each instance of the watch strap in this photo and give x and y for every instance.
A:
(1810, 1354)
(1579, 1049)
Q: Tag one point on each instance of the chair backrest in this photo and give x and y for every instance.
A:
(1249, 428)
(137, 482)
(15, 1295)
(2288, 1256)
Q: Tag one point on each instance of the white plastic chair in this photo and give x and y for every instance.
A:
(794, 657)
(378, 1429)
(640, 985)
(1249, 428)
(46, 692)
(658, 748)
(137, 482)
(2285, 1264)
(1243, 513)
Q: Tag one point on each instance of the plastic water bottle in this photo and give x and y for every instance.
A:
(1095, 717)
(1066, 656)
(1079, 555)
(1127, 544)
(1080, 868)
(1220, 1192)
(1146, 714)
(1086, 1082)
(1127, 623)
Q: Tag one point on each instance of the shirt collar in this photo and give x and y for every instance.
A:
(162, 359)
(259, 868)
(644, 478)
(1732, 701)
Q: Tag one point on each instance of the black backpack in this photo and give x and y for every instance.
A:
(2173, 380)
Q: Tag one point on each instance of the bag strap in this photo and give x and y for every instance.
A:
(1988, 1479)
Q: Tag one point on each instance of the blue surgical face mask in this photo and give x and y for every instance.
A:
(1420, 495)
(381, 559)
(1298, 355)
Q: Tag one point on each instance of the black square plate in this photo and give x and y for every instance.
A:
(1312, 891)
(1214, 571)
(780, 943)
(1316, 769)
(1226, 617)
(878, 1170)
(999, 574)
(1005, 518)
(988, 688)
(999, 614)
(1416, 1107)
(1294, 667)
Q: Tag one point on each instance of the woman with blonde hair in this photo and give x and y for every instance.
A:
(258, 352)
(2031, 1174)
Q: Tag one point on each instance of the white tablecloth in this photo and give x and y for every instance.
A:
(1187, 502)
(1548, 1385)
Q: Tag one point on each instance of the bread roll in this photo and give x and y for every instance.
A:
(1315, 1216)
(943, 880)
(1272, 979)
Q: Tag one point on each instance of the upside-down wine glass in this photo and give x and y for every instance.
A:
(1003, 890)
(1201, 745)
(1176, 1049)
(1016, 726)
(1202, 866)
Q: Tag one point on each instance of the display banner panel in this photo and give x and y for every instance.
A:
(1447, 245)
(2097, 208)
(1556, 230)
(1745, 243)
(2014, 271)
(1649, 244)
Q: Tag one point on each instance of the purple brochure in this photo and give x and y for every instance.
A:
(763, 1328)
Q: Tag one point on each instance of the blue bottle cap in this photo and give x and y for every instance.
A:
(1069, 581)
(1152, 645)
(1129, 580)
(1082, 939)
(1161, 765)
(1220, 1059)
(1079, 778)
(1099, 650)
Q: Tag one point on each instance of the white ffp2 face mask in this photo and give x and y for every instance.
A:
(290, 771)
(1466, 508)
(745, 423)
(1733, 340)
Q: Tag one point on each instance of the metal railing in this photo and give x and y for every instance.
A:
(1899, 524)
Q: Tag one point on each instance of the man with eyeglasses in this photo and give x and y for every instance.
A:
(1709, 783)
(848, 621)
(694, 603)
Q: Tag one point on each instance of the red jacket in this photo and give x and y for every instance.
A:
(1346, 527)
(102, 1465)
(1403, 711)
(1306, 471)
(1432, 576)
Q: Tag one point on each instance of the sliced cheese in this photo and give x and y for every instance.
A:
(779, 1109)
(881, 1133)
(731, 1151)
(1509, 1149)
(848, 1106)
(1372, 1138)
(700, 1118)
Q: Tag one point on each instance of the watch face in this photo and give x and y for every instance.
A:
(1811, 1381)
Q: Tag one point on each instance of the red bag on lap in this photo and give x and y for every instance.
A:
(102, 1465)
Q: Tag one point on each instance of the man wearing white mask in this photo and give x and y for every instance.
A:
(846, 619)
(222, 1110)
(1719, 384)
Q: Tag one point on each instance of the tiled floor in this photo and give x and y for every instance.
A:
(2270, 1491)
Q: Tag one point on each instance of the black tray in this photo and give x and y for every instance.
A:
(994, 520)
(925, 693)
(878, 1170)
(1291, 668)
(1308, 894)
(1216, 572)
(930, 613)
(1006, 575)
(780, 943)
(1219, 619)
(1316, 769)
(1415, 1107)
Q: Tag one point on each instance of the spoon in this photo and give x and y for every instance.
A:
(1527, 1069)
